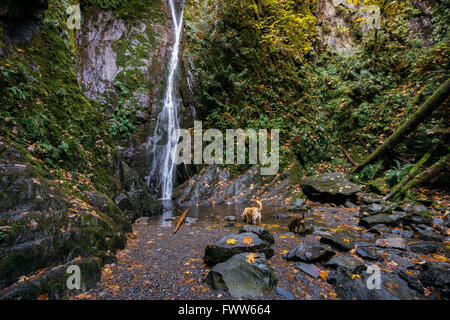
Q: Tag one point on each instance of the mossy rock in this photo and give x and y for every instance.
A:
(379, 186)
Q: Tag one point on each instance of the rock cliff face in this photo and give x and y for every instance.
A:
(120, 63)
(336, 20)
(116, 53)
(21, 18)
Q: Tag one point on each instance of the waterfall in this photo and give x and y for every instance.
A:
(168, 118)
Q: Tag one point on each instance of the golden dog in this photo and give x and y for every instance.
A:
(253, 214)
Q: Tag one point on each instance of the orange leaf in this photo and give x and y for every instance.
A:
(43, 297)
(247, 240)
(324, 274)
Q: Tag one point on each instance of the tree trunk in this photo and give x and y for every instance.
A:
(437, 167)
(411, 173)
(438, 97)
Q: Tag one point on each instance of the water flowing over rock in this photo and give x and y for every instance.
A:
(168, 123)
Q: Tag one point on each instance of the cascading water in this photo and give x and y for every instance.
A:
(168, 118)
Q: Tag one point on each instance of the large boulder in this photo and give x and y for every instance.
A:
(264, 234)
(310, 253)
(233, 244)
(243, 275)
(331, 186)
(382, 218)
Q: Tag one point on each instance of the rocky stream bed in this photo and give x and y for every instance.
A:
(329, 262)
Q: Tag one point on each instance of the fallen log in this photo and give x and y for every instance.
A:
(430, 172)
(411, 173)
(180, 222)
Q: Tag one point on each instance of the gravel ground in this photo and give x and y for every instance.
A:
(157, 264)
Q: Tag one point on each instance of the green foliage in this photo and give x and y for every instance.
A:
(397, 173)
(256, 68)
(42, 107)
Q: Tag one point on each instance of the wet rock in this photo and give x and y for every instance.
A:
(413, 283)
(365, 198)
(310, 253)
(285, 293)
(377, 208)
(337, 241)
(136, 198)
(351, 264)
(262, 233)
(386, 219)
(143, 221)
(436, 275)
(221, 251)
(438, 221)
(368, 252)
(311, 227)
(392, 287)
(190, 221)
(429, 235)
(379, 186)
(403, 233)
(412, 219)
(396, 243)
(380, 229)
(308, 268)
(53, 281)
(424, 247)
(349, 204)
(447, 220)
(229, 225)
(230, 218)
(242, 278)
(281, 216)
(333, 186)
(298, 205)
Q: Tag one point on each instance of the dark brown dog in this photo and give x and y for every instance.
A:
(297, 225)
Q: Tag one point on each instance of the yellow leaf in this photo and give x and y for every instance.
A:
(251, 258)
(231, 241)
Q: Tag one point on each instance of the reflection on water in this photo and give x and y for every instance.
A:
(207, 213)
(168, 211)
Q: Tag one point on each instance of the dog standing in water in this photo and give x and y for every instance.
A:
(253, 214)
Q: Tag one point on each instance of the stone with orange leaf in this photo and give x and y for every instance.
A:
(233, 244)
